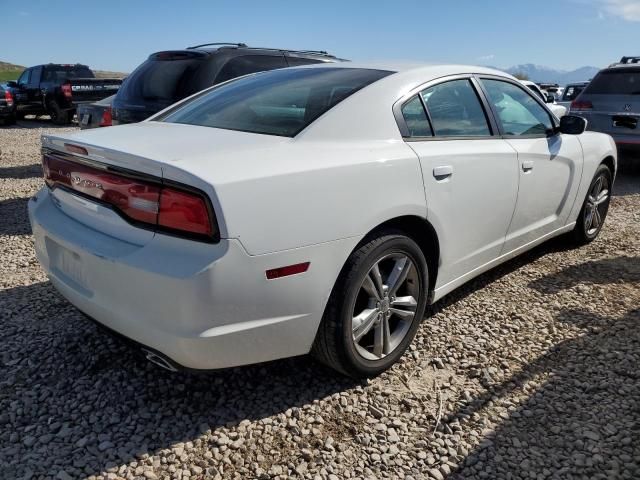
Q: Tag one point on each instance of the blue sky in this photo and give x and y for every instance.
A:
(119, 35)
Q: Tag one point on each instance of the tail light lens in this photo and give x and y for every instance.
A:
(147, 203)
(8, 97)
(581, 105)
(66, 90)
(106, 120)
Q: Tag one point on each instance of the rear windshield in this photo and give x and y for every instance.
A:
(279, 102)
(60, 74)
(615, 82)
(164, 81)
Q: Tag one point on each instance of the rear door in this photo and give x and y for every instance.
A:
(549, 164)
(470, 173)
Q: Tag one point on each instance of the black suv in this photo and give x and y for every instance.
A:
(166, 77)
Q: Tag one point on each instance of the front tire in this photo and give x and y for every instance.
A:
(595, 207)
(375, 307)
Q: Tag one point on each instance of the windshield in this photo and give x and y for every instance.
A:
(279, 102)
(164, 81)
(616, 82)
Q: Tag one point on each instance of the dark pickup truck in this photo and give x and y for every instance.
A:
(57, 90)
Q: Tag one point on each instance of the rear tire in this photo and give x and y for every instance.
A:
(595, 207)
(57, 114)
(375, 308)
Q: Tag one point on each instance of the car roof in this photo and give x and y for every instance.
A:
(426, 71)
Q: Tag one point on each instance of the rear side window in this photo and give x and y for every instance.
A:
(281, 102)
(516, 109)
(296, 61)
(239, 66)
(615, 82)
(416, 118)
(455, 110)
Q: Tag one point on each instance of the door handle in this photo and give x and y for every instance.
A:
(527, 166)
(443, 171)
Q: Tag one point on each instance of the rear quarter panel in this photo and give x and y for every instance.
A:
(321, 191)
(596, 148)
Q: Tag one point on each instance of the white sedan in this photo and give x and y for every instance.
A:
(314, 209)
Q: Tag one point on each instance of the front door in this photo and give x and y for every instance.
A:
(548, 167)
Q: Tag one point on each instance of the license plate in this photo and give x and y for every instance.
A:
(67, 265)
(85, 119)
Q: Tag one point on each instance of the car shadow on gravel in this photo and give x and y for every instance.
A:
(22, 172)
(76, 399)
(14, 219)
(584, 421)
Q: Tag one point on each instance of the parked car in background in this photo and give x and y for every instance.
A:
(310, 209)
(611, 103)
(167, 77)
(571, 92)
(57, 90)
(7, 106)
(546, 97)
(94, 115)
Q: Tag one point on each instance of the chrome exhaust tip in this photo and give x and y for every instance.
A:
(159, 361)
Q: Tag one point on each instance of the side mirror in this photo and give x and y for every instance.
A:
(550, 98)
(572, 125)
(12, 84)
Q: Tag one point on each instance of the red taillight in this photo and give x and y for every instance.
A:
(171, 209)
(69, 147)
(581, 105)
(106, 118)
(8, 98)
(184, 211)
(288, 270)
(66, 90)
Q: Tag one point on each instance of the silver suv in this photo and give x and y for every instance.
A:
(611, 103)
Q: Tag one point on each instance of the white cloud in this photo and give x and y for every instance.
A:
(627, 9)
(486, 58)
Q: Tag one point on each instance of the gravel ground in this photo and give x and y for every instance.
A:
(530, 371)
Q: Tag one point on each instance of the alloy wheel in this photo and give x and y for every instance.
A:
(385, 306)
(596, 208)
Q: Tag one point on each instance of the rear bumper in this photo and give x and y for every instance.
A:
(203, 306)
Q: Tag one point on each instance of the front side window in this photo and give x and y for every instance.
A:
(455, 110)
(416, 118)
(571, 93)
(280, 102)
(518, 112)
(246, 64)
(24, 78)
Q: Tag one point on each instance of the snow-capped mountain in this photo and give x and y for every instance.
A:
(539, 73)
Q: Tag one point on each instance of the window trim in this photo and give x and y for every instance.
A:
(550, 133)
(488, 112)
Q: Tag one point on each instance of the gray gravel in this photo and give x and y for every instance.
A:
(530, 371)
